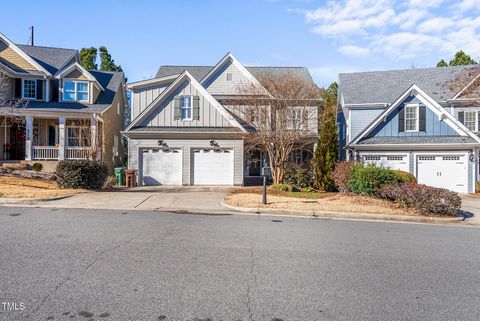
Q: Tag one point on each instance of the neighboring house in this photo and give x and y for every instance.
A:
(416, 121)
(184, 130)
(66, 112)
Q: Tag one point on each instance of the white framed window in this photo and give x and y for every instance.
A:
(254, 115)
(186, 107)
(29, 88)
(411, 118)
(75, 90)
(471, 120)
(295, 119)
(77, 136)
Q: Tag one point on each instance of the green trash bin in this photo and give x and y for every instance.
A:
(119, 175)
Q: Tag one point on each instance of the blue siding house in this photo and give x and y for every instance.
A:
(414, 120)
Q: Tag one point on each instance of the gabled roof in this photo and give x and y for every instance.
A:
(182, 77)
(430, 103)
(375, 87)
(50, 58)
(25, 56)
(152, 82)
(64, 72)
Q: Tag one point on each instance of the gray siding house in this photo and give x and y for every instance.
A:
(423, 121)
(183, 131)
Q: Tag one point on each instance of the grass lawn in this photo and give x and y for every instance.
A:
(20, 187)
(315, 201)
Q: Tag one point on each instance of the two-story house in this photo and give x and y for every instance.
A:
(422, 121)
(52, 109)
(185, 130)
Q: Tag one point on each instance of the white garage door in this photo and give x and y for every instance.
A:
(212, 167)
(162, 167)
(397, 162)
(446, 171)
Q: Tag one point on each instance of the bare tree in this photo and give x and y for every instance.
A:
(282, 115)
(468, 82)
(90, 141)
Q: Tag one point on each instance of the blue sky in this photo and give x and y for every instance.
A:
(326, 36)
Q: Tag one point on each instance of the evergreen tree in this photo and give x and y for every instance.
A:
(106, 61)
(460, 59)
(442, 63)
(326, 154)
(88, 58)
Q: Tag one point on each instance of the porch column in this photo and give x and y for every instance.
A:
(28, 137)
(61, 138)
(93, 135)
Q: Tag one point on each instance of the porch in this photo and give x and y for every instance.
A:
(49, 139)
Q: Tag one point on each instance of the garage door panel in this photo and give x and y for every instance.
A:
(444, 171)
(213, 167)
(396, 162)
(162, 167)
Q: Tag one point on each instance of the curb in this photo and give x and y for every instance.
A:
(29, 201)
(343, 215)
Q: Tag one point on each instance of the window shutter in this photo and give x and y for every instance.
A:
(176, 108)
(401, 119)
(18, 88)
(478, 120)
(422, 123)
(461, 117)
(196, 108)
(39, 89)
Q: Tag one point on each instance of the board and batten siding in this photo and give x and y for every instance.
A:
(186, 145)
(361, 118)
(142, 98)
(163, 114)
(219, 85)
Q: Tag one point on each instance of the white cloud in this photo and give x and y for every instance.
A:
(354, 51)
(398, 28)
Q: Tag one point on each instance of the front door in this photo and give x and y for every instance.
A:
(52, 136)
(17, 142)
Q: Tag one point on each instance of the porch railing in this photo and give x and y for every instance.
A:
(44, 152)
(78, 152)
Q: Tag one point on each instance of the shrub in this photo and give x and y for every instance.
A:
(110, 182)
(426, 200)
(309, 189)
(37, 167)
(405, 177)
(342, 175)
(367, 180)
(299, 176)
(284, 188)
(477, 187)
(86, 174)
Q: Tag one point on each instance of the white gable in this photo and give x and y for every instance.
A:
(227, 80)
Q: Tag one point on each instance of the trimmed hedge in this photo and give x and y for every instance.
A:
(405, 177)
(342, 175)
(37, 167)
(298, 175)
(85, 174)
(367, 180)
(427, 200)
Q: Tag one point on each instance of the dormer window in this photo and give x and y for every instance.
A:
(29, 89)
(75, 90)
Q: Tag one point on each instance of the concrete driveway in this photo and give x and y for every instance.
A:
(471, 208)
(150, 198)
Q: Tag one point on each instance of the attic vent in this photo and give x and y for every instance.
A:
(229, 77)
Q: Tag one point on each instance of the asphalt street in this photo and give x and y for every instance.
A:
(69, 264)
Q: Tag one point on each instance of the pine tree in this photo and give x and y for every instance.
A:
(88, 58)
(106, 61)
(326, 154)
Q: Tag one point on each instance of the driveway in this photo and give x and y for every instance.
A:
(77, 264)
(150, 198)
(471, 208)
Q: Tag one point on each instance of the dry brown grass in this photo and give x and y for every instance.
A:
(19, 187)
(328, 202)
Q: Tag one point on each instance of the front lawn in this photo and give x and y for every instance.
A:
(316, 201)
(20, 187)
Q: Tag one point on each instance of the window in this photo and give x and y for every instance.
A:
(29, 89)
(186, 107)
(229, 77)
(115, 145)
(471, 120)
(77, 136)
(372, 158)
(411, 118)
(254, 115)
(295, 119)
(75, 90)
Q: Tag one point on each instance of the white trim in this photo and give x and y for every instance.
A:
(476, 118)
(75, 90)
(191, 108)
(430, 103)
(23, 89)
(236, 63)
(85, 72)
(23, 54)
(150, 82)
(202, 91)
